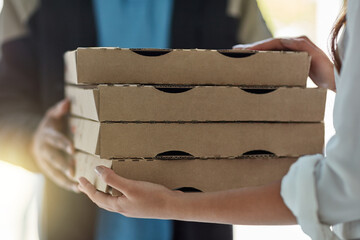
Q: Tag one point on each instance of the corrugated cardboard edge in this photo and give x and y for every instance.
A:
(205, 175)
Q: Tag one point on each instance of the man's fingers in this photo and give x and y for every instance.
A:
(60, 109)
(113, 180)
(57, 160)
(101, 199)
(58, 176)
(58, 140)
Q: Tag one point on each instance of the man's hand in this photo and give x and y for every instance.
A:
(321, 69)
(53, 150)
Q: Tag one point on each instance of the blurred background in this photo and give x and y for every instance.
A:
(21, 190)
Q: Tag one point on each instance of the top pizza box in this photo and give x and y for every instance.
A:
(186, 67)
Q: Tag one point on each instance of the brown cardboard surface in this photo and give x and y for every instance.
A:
(147, 140)
(205, 175)
(201, 103)
(193, 67)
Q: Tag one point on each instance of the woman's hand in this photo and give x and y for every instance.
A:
(51, 148)
(138, 199)
(321, 70)
(256, 205)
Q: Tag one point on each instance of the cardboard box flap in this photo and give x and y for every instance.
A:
(204, 175)
(85, 134)
(201, 103)
(147, 140)
(84, 101)
(186, 66)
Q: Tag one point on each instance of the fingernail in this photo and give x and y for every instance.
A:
(68, 173)
(69, 150)
(99, 170)
(286, 41)
(82, 181)
(241, 46)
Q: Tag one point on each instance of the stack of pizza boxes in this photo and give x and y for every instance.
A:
(206, 119)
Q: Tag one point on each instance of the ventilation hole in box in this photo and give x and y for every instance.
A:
(257, 90)
(237, 54)
(173, 90)
(188, 189)
(151, 53)
(174, 154)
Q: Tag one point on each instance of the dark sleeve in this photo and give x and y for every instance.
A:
(20, 110)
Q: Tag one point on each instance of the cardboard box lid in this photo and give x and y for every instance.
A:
(148, 140)
(201, 103)
(205, 175)
(186, 66)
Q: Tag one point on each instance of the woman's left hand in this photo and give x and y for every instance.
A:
(252, 205)
(139, 199)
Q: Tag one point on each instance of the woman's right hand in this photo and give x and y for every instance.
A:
(52, 150)
(321, 69)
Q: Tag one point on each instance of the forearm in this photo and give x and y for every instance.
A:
(251, 206)
(247, 206)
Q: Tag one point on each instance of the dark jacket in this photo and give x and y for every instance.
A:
(34, 36)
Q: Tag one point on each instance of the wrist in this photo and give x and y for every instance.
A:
(174, 205)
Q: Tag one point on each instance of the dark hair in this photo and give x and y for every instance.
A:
(340, 22)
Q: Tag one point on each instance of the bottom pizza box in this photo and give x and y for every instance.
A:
(206, 175)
